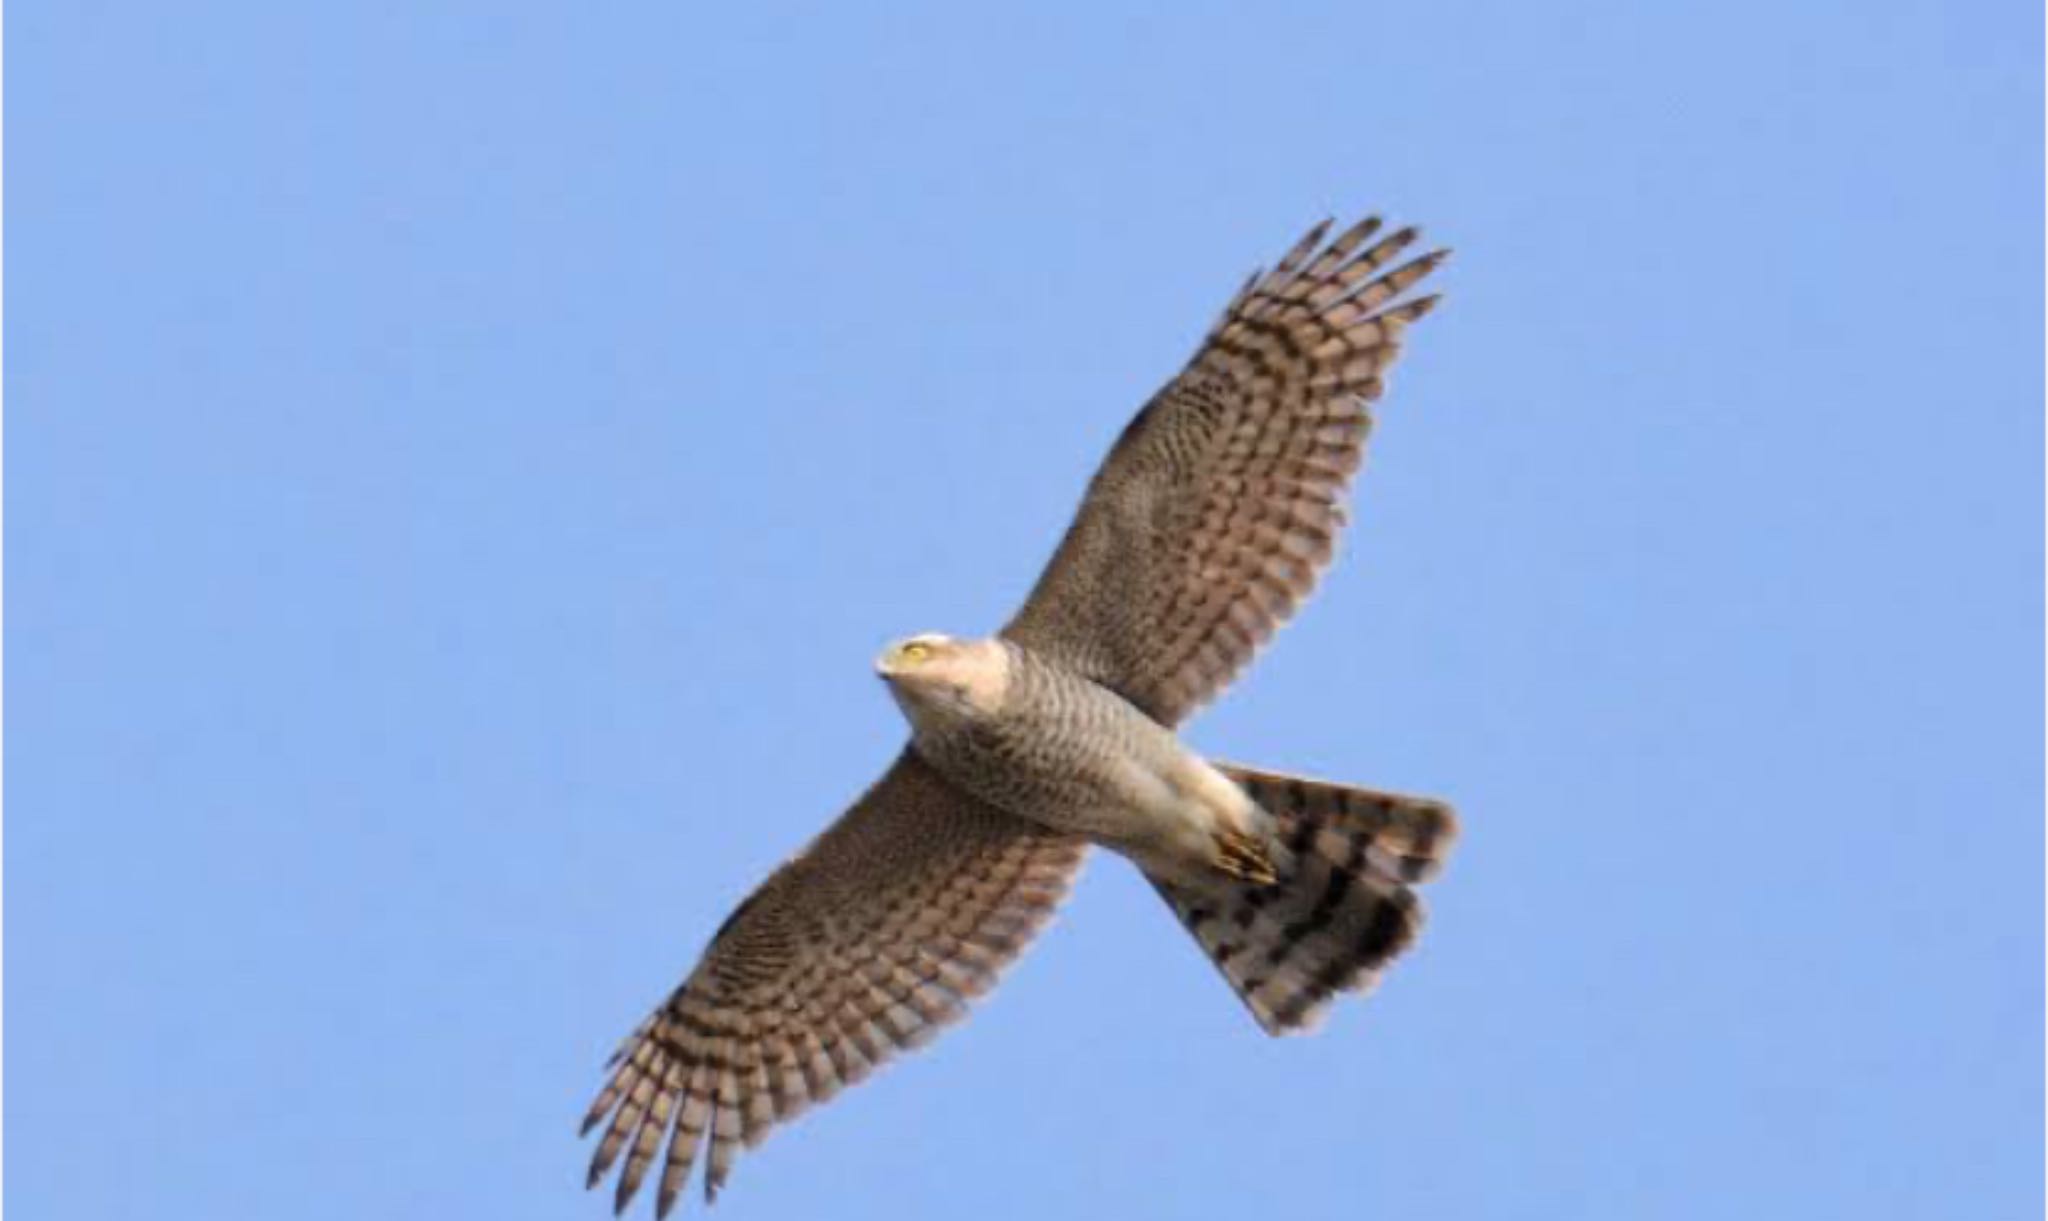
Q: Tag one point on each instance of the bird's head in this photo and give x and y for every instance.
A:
(943, 681)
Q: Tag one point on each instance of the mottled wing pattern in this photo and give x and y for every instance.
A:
(867, 942)
(1212, 516)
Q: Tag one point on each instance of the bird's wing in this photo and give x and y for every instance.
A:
(1218, 506)
(868, 941)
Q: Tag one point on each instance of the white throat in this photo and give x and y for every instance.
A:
(967, 682)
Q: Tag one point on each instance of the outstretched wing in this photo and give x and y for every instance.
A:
(868, 941)
(1220, 503)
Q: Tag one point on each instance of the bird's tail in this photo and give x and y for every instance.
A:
(1342, 906)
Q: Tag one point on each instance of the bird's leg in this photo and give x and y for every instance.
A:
(1244, 856)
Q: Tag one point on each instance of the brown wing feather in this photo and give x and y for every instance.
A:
(1221, 502)
(867, 942)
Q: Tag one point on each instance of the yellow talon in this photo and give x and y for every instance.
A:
(1242, 856)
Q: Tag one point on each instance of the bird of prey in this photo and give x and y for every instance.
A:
(1203, 530)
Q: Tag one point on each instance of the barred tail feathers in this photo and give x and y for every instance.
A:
(1342, 908)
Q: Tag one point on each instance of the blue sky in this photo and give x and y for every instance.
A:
(463, 458)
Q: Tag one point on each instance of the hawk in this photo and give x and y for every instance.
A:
(1203, 530)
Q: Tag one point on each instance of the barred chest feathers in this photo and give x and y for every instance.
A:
(1053, 747)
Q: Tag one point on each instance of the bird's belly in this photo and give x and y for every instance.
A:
(1174, 815)
(1154, 801)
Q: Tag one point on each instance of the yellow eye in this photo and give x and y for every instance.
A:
(914, 651)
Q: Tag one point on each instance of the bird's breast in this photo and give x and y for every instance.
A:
(1077, 758)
